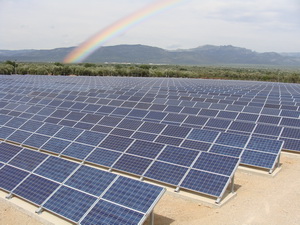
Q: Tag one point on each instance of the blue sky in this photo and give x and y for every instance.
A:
(260, 25)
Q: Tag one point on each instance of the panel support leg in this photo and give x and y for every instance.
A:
(232, 184)
(151, 221)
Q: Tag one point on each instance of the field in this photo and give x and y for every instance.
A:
(112, 140)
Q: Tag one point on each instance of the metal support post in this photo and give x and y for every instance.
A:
(151, 221)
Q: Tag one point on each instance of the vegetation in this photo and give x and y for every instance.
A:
(289, 75)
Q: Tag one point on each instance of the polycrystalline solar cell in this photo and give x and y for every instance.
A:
(91, 180)
(68, 123)
(291, 144)
(68, 133)
(175, 131)
(36, 189)
(19, 136)
(133, 194)
(91, 138)
(259, 159)
(268, 129)
(218, 106)
(10, 177)
(103, 157)
(78, 106)
(252, 109)
(177, 155)
(204, 182)
(36, 140)
(265, 145)
(91, 108)
(218, 123)
(190, 110)
(90, 118)
(69, 203)
(247, 117)
(167, 173)
(220, 164)
(290, 113)
(156, 115)
(84, 126)
(110, 121)
(102, 129)
(290, 122)
(56, 168)
(178, 118)
(132, 164)
(152, 127)
(8, 151)
(144, 136)
(137, 113)
(116, 143)
(122, 132)
(235, 108)
(31, 125)
(168, 140)
(172, 108)
(108, 213)
(55, 145)
(4, 119)
(203, 135)
(269, 119)
(6, 132)
(130, 124)
(60, 113)
(28, 159)
(197, 145)
(242, 126)
(233, 140)
(208, 112)
(291, 133)
(121, 111)
(226, 150)
(75, 116)
(145, 149)
(52, 120)
(15, 122)
(78, 151)
(196, 120)
(46, 111)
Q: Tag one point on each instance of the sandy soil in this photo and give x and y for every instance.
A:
(260, 200)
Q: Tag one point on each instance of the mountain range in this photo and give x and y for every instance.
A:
(203, 55)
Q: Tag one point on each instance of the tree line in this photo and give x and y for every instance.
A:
(286, 75)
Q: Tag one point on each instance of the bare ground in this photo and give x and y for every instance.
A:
(260, 200)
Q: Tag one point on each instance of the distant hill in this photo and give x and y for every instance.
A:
(203, 55)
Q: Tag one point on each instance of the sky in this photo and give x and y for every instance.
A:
(259, 25)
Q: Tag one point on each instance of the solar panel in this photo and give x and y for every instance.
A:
(132, 164)
(7, 151)
(77, 151)
(145, 149)
(55, 145)
(259, 159)
(233, 140)
(56, 169)
(19, 136)
(28, 159)
(35, 189)
(36, 140)
(265, 145)
(68, 133)
(91, 138)
(176, 131)
(10, 177)
(69, 203)
(203, 135)
(226, 150)
(116, 143)
(103, 157)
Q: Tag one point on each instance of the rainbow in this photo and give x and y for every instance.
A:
(99, 39)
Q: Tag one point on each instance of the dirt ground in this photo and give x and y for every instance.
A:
(260, 200)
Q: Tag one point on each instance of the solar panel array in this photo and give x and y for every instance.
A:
(175, 131)
(77, 192)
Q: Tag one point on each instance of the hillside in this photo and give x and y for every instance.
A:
(203, 55)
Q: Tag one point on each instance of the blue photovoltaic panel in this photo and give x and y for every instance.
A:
(8, 151)
(178, 118)
(15, 122)
(91, 138)
(144, 136)
(197, 145)
(226, 150)
(130, 124)
(68, 133)
(108, 213)
(242, 126)
(265, 145)
(103, 157)
(203, 135)
(91, 180)
(116, 143)
(6, 132)
(31, 125)
(55, 145)
(133, 194)
(166, 173)
(233, 140)
(155, 128)
(28, 159)
(90, 118)
(291, 133)
(269, 119)
(268, 129)
(36, 140)
(196, 120)
(175, 131)
(178, 155)
(207, 183)
(10, 177)
(122, 132)
(69, 203)
(145, 149)
(218, 123)
(259, 159)
(19, 136)
(110, 121)
(132, 164)
(156, 115)
(49, 129)
(78, 151)
(220, 164)
(4, 119)
(36, 189)
(56, 168)
(291, 144)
